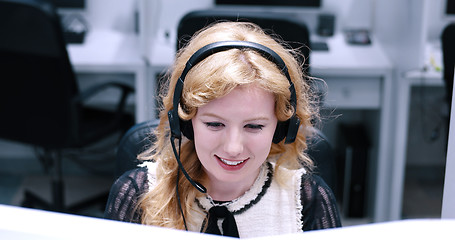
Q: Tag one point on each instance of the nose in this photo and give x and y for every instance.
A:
(233, 142)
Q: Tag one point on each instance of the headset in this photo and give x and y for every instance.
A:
(285, 129)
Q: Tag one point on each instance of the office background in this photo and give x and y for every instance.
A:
(133, 41)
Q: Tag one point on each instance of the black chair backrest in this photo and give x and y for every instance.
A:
(295, 33)
(135, 141)
(321, 151)
(448, 52)
(38, 83)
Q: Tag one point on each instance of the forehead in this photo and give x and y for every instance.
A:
(244, 99)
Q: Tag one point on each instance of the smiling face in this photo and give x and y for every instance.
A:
(233, 135)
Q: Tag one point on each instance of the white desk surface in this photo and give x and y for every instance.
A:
(343, 58)
(431, 77)
(106, 50)
(110, 51)
(22, 223)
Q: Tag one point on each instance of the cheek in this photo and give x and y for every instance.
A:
(203, 138)
(262, 143)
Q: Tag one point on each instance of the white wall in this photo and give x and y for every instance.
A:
(111, 14)
(405, 27)
(163, 15)
(437, 19)
(353, 14)
(399, 27)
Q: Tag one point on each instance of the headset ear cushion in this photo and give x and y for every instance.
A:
(280, 131)
(287, 129)
(187, 129)
(174, 124)
(292, 129)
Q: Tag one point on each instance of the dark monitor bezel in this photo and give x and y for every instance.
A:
(450, 7)
(275, 3)
(73, 4)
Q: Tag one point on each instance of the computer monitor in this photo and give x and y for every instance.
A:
(69, 4)
(448, 10)
(318, 21)
(72, 19)
(276, 3)
(450, 7)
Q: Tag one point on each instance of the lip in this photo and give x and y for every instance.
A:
(231, 167)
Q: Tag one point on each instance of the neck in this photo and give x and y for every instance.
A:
(227, 191)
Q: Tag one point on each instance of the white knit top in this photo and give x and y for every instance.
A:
(266, 209)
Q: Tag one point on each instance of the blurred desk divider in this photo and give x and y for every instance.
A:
(448, 200)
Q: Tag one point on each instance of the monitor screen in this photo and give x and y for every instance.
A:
(281, 3)
(77, 4)
(450, 7)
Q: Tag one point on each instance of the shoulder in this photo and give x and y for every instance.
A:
(135, 179)
(320, 209)
(313, 185)
(314, 191)
(125, 194)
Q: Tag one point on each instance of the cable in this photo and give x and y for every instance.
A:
(195, 184)
(177, 156)
(178, 199)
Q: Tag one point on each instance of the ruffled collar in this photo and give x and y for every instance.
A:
(252, 196)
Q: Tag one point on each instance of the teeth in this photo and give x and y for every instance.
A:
(231, 163)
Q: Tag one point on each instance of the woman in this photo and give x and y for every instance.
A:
(242, 103)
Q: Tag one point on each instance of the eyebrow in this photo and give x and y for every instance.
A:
(248, 120)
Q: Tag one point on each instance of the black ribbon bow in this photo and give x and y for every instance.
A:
(229, 225)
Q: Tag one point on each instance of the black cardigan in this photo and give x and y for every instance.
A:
(319, 211)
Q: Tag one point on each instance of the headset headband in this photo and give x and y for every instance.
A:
(216, 47)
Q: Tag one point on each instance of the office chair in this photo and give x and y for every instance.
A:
(140, 136)
(295, 33)
(448, 53)
(40, 102)
(135, 141)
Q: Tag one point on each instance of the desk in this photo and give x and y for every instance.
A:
(412, 78)
(22, 223)
(107, 51)
(358, 77)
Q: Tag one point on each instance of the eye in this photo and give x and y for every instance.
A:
(214, 125)
(254, 127)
